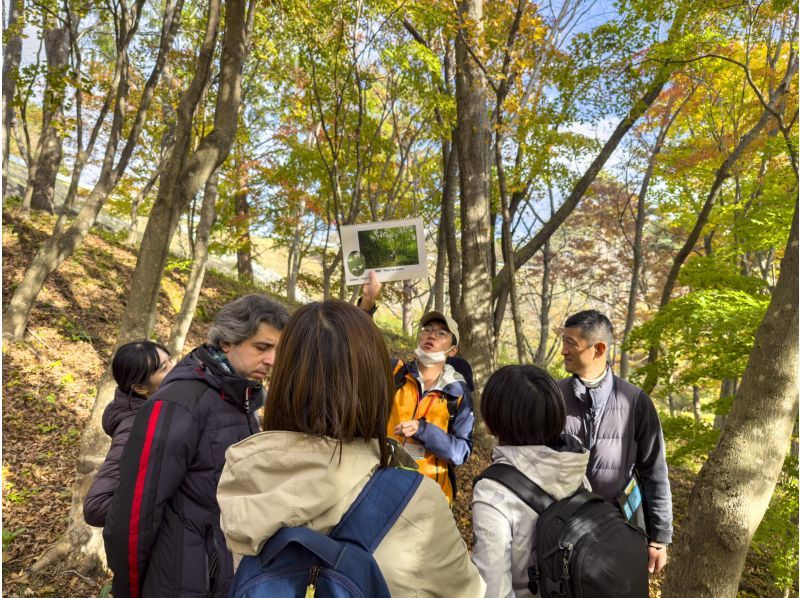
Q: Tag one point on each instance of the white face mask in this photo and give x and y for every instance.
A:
(428, 359)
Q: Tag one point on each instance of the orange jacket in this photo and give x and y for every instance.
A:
(444, 437)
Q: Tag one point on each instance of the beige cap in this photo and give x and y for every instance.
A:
(451, 324)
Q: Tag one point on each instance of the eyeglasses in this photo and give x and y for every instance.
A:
(440, 334)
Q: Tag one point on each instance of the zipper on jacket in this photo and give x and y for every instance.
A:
(568, 546)
(312, 581)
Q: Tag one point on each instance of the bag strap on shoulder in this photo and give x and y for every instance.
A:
(400, 370)
(377, 507)
(510, 477)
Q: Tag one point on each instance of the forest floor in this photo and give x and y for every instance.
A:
(48, 390)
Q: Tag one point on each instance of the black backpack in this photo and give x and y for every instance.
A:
(584, 546)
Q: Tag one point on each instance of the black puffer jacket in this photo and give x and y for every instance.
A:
(117, 422)
(162, 534)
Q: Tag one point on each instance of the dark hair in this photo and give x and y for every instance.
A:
(239, 320)
(134, 363)
(331, 376)
(522, 405)
(593, 325)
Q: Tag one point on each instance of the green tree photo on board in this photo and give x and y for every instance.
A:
(389, 247)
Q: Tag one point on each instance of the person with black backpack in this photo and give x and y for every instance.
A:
(537, 530)
(313, 503)
(619, 424)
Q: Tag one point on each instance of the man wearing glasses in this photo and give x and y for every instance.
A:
(619, 425)
(431, 414)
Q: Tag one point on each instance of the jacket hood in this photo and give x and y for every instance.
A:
(287, 479)
(119, 409)
(200, 364)
(557, 472)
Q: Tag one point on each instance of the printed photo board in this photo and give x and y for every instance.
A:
(394, 250)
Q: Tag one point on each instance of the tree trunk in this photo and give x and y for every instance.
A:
(56, 45)
(734, 487)
(327, 274)
(408, 292)
(183, 321)
(727, 388)
(295, 253)
(776, 103)
(508, 246)
(449, 191)
(12, 54)
(447, 257)
(27, 197)
(546, 297)
(186, 173)
(450, 187)
(474, 140)
(244, 247)
(133, 232)
(83, 541)
(94, 442)
(342, 285)
(698, 416)
(441, 268)
(66, 238)
(638, 254)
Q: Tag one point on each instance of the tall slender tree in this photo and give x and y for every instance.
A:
(733, 489)
(12, 54)
(474, 141)
(774, 106)
(40, 191)
(68, 235)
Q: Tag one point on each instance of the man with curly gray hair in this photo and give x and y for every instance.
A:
(246, 332)
(162, 535)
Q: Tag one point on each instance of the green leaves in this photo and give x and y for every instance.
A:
(777, 535)
(711, 330)
(715, 273)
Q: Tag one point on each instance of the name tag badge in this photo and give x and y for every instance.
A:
(415, 450)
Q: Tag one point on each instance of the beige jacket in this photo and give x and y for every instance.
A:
(278, 479)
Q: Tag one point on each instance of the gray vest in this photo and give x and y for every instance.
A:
(613, 454)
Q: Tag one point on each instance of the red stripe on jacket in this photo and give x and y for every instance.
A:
(136, 507)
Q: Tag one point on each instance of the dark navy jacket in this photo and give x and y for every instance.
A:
(162, 534)
(627, 438)
(117, 422)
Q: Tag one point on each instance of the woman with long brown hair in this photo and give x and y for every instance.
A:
(325, 437)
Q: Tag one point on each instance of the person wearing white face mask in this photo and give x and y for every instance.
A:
(431, 413)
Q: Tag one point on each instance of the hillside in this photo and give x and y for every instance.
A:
(48, 390)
